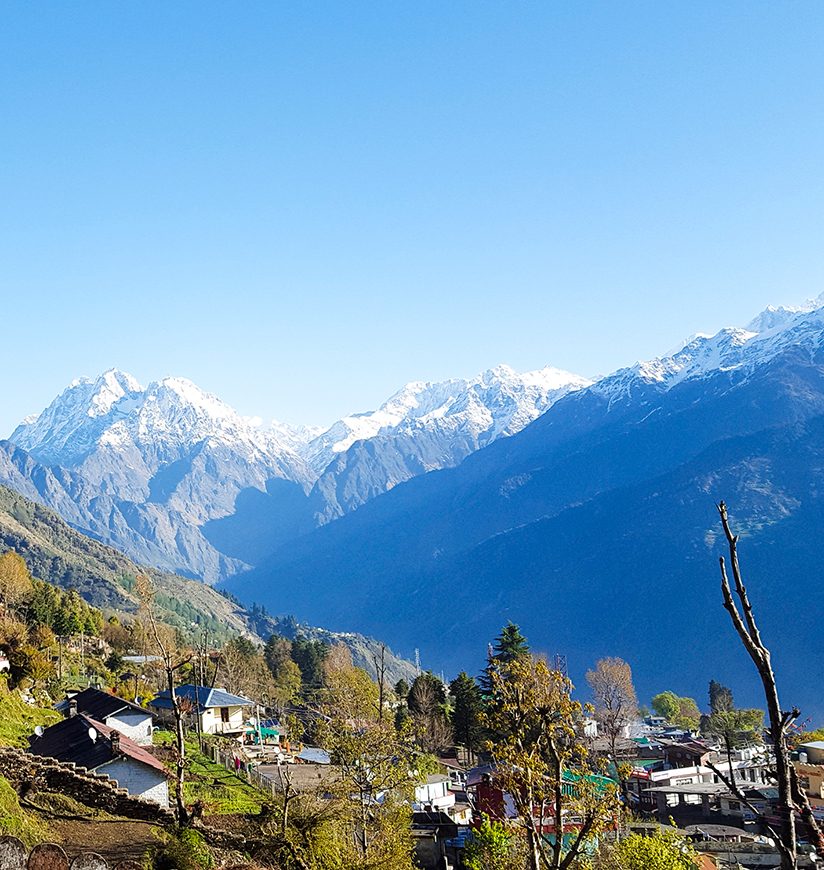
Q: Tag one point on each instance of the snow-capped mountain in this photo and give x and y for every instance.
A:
(155, 426)
(175, 477)
(423, 427)
(601, 512)
(211, 490)
(497, 402)
(769, 334)
(170, 457)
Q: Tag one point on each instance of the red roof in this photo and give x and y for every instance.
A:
(130, 748)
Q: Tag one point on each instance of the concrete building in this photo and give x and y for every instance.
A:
(809, 766)
(434, 794)
(220, 712)
(659, 789)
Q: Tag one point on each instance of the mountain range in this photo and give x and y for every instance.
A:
(585, 511)
(175, 478)
(595, 526)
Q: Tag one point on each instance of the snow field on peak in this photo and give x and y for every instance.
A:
(498, 401)
(773, 330)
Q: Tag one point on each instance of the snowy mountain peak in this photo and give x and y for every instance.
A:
(731, 348)
(497, 402)
(777, 317)
(70, 424)
(180, 393)
(161, 423)
(112, 386)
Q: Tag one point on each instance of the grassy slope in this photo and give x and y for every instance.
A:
(18, 822)
(103, 576)
(18, 719)
(221, 791)
(56, 552)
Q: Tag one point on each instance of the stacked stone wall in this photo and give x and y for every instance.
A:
(29, 774)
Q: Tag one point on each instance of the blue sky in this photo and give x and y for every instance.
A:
(302, 206)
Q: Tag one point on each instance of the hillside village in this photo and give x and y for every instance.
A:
(185, 752)
(412, 435)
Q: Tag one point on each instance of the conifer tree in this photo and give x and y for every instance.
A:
(721, 700)
(466, 715)
(509, 646)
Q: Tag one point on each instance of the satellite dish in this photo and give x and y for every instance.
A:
(39, 731)
(92, 735)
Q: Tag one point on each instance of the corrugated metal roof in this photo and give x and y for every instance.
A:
(98, 704)
(69, 740)
(315, 755)
(203, 696)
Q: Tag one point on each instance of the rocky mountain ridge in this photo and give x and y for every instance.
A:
(176, 478)
(105, 578)
(594, 527)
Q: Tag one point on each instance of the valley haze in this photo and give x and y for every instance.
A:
(583, 510)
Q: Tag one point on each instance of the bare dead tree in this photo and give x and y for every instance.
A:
(743, 620)
(286, 793)
(172, 662)
(380, 672)
(614, 697)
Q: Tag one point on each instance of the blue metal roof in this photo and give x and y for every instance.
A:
(315, 756)
(205, 697)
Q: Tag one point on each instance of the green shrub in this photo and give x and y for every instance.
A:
(186, 850)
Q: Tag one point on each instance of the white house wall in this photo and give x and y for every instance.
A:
(211, 723)
(138, 779)
(136, 726)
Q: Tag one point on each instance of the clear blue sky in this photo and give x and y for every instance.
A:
(302, 206)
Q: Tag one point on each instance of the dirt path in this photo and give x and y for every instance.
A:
(114, 840)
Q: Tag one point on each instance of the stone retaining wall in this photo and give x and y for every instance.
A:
(29, 774)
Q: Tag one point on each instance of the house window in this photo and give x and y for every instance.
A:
(224, 714)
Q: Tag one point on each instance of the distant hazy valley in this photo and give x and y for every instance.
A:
(584, 511)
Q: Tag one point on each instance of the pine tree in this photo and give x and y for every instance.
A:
(509, 646)
(466, 715)
(721, 700)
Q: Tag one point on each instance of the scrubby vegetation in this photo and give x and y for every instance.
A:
(15, 821)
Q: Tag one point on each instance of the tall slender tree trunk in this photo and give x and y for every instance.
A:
(180, 741)
(747, 630)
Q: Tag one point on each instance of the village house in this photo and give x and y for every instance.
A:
(759, 799)
(488, 798)
(219, 711)
(809, 765)
(129, 719)
(434, 794)
(455, 771)
(685, 753)
(101, 749)
(662, 789)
